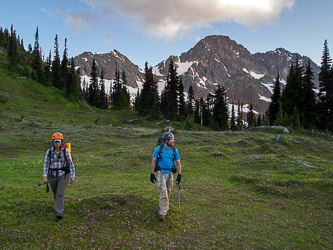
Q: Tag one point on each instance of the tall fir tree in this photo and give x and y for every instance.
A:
(325, 88)
(295, 119)
(37, 59)
(172, 95)
(205, 111)
(309, 104)
(73, 83)
(220, 110)
(250, 117)
(13, 52)
(275, 99)
(181, 100)
(197, 112)
(56, 67)
(116, 88)
(259, 120)
(103, 101)
(233, 126)
(47, 71)
(292, 94)
(93, 87)
(190, 101)
(64, 68)
(148, 98)
(240, 122)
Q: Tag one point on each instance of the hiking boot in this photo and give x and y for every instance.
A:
(59, 216)
(162, 217)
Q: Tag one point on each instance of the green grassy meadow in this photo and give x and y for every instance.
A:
(239, 190)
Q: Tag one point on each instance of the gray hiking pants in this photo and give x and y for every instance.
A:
(58, 187)
(164, 190)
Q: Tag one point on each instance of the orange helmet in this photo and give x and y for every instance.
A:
(57, 136)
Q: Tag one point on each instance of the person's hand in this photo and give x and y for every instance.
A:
(152, 178)
(44, 180)
(179, 178)
(72, 179)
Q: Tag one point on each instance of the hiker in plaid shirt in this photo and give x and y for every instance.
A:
(54, 171)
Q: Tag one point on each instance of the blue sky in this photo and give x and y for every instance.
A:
(152, 30)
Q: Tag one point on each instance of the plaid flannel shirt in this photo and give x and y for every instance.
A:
(57, 162)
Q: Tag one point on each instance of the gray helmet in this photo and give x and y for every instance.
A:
(167, 136)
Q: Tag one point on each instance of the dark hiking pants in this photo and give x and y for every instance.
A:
(58, 187)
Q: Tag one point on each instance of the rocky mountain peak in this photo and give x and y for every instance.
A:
(214, 60)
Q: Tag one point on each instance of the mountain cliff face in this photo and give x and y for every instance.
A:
(109, 62)
(215, 60)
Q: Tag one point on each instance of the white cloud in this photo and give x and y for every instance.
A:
(166, 19)
(46, 12)
(82, 19)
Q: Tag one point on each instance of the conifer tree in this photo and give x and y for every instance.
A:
(47, 71)
(181, 100)
(220, 110)
(259, 120)
(93, 87)
(196, 115)
(116, 89)
(309, 104)
(233, 119)
(164, 102)
(250, 117)
(276, 96)
(292, 94)
(72, 88)
(279, 120)
(102, 98)
(148, 95)
(64, 68)
(295, 119)
(205, 111)
(240, 121)
(190, 100)
(325, 88)
(37, 59)
(56, 67)
(172, 97)
(13, 53)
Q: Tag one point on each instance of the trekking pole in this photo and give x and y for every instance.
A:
(178, 187)
(47, 186)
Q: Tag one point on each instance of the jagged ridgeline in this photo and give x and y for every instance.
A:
(215, 60)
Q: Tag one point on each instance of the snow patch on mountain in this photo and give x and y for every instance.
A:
(156, 71)
(184, 67)
(264, 98)
(269, 86)
(253, 74)
(256, 75)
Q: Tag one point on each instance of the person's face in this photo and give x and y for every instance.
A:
(171, 142)
(57, 144)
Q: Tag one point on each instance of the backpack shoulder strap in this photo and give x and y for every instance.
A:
(64, 152)
(160, 151)
(50, 150)
(174, 152)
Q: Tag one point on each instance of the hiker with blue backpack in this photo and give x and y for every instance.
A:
(58, 164)
(163, 164)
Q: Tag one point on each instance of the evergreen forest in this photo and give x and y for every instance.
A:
(296, 105)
